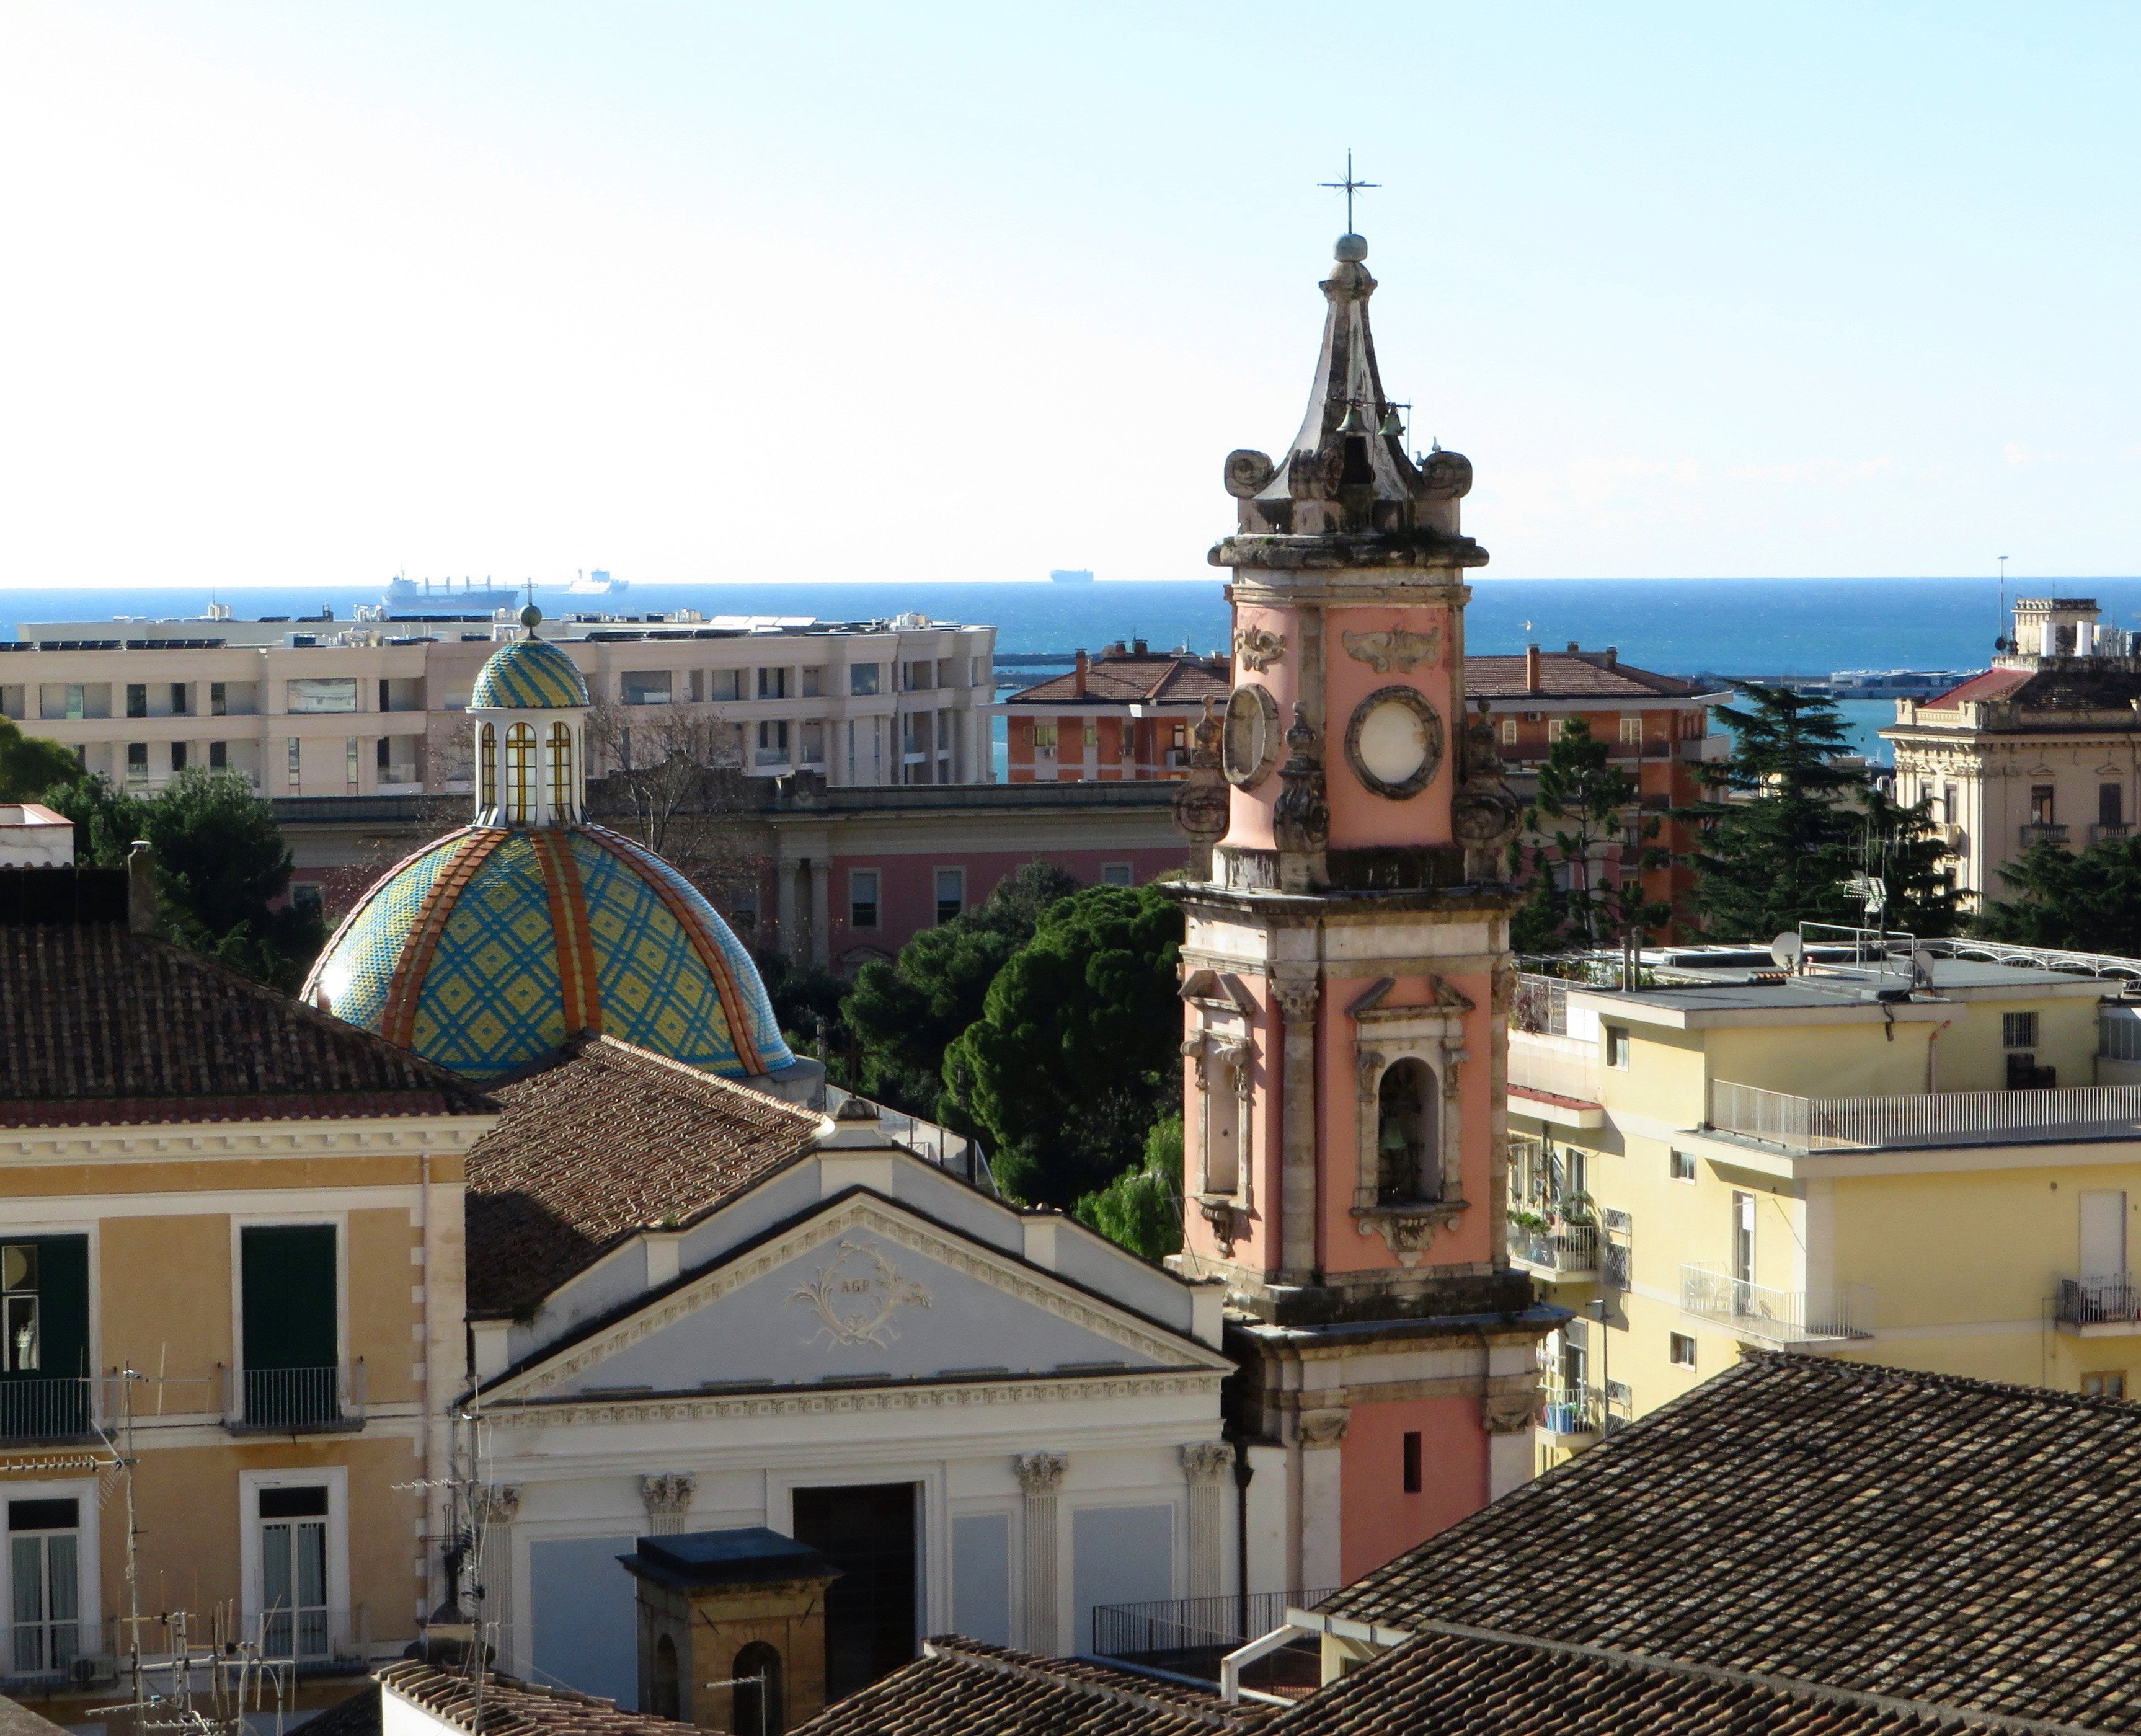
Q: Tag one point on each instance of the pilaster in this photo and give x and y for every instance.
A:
(1040, 1476)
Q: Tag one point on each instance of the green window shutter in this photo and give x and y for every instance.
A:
(62, 1289)
(289, 1296)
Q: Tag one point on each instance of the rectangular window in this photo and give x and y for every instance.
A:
(724, 684)
(863, 677)
(644, 687)
(1616, 1046)
(1948, 814)
(813, 683)
(293, 1572)
(349, 761)
(921, 677)
(44, 1582)
(951, 892)
(2040, 804)
(1092, 736)
(137, 762)
(177, 756)
(323, 694)
(289, 1320)
(2106, 1384)
(1682, 1348)
(2018, 1031)
(1632, 729)
(1412, 1457)
(2110, 804)
(1116, 874)
(44, 1305)
(180, 706)
(979, 672)
(137, 699)
(292, 756)
(218, 699)
(1554, 726)
(1679, 1165)
(813, 743)
(862, 897)
(695, 685)
(773, 741)
(1043, 738)
(1509, 732)
(773, 684)
(218, 756)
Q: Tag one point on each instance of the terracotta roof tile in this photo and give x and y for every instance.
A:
(607, 1141)
(1566, 674)
(101, 1026)
(1870, 1529)
(1987, 683)
(1126, 682)
(512, 1708)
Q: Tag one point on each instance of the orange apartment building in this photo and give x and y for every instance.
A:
(1124, 714)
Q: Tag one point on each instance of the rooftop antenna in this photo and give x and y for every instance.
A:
(2000, 629)
(1350, 187)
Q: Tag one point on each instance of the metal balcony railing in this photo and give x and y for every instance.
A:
(293, 1401)
(46, 1409)
(1775, 1316)
(1541, 1005)
(1561, 1066)
(1571, 1407)
(1925, 1118)
(1563, 1250)
(963, 1157)
(1189, 1635)
(2098, 1302)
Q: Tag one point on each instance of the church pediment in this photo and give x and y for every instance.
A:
(861, 1292)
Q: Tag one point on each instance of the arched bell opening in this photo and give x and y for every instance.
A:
(1408, 1127)
(759, 1707)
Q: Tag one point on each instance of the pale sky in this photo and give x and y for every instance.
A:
(697, 291)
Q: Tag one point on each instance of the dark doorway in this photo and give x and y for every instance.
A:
(868, 1532)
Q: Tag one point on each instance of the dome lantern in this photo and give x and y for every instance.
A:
(529, 710)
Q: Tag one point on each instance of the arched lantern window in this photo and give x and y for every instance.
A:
(486, 756)
(758, 1708)
(519, 773)
(561, 772)
(1408, 1157)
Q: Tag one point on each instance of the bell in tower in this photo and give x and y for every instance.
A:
(1345, 976)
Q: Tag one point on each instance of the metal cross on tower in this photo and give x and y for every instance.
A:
(1349, 186)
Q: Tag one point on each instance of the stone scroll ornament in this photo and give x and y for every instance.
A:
(1258, 647)
(1397, 649)
(856, 1293)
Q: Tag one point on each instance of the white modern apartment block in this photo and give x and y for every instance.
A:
(372, 706)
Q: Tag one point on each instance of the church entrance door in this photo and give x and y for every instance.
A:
(867, 1531)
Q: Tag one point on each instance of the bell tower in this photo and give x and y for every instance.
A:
(1345, 976)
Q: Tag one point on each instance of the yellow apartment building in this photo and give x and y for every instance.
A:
(230, 1233)
(1922, 1153)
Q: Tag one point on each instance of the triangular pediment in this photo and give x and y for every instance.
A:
(862, 1290)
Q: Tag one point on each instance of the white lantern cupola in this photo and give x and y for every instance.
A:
(529, 708)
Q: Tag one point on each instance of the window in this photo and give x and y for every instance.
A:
(773, 740)
(218, 756)
(1554, 726)
(1412, 1467)
(1116, 874)
(44, 1301)
(2040, 804)
(349, 761)
(177, 756)
(644, 687)
(288, 1321)
(813, 683)
(813, 743)
(2110, 805)
(1632, 729)
(1679, 1165)
(1509, 732)
(1743, 1243)
(519, 773)
(293, 759)
(44, 1575)
(1681, 1347)
(921, 676)
(725, 684)
(863, 677)
(2018, 1031)
(1616, 1046)
(695, 685)
(862, 897)
(1948, 814)
(1408, 1160)
(330, 694)
(1044, 739)
(137, 699)
(137, 762)
(293, 1572)
(980, 671)
(2106, 1384)
(758, 1705)
(951, 892)
(561, 772)
(773, 684)
(180, 706)
(486, 753)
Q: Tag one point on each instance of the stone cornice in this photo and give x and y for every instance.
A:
(132, 1144)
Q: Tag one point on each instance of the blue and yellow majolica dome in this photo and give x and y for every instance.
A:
(492, 945)
(528, 675)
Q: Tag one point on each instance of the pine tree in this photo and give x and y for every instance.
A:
(2090, 901)
(1581, 805)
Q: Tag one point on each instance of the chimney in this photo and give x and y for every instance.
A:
(1613, 655)
(141, 887)
(1575, 646)
(1078, 674)
(1531, 669)
(1137, 647)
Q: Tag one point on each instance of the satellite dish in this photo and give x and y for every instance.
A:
(1788, 949)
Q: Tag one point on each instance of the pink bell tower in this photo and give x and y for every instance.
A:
(1345, 978)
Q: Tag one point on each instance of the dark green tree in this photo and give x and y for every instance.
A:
(1781, 855)
(806, 1004)
(901, 1017)
(31, 764)
(2090, 901)
(1077, 1054)
(1141, 1209)
(1581, 805)
(1904, 848)
(221, 867)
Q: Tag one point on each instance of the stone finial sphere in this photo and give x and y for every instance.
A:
(1352, 249)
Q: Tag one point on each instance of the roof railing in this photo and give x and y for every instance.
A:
(1921, 1118)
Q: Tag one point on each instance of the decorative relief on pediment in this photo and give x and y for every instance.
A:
(856, 1293)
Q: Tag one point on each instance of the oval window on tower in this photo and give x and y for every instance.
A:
(1394, 743)
(1250, 742)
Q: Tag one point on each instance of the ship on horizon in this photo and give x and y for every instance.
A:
(435, 593)
(1071, 576)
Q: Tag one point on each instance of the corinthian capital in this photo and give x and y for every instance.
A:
(1039, 1473)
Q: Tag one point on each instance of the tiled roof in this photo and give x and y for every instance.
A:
(512, 1708)
(1515, 1687)
(962, 1688)
(358, 1715)
(2043, 695)
(1989, 684)
(611, 1139)
(100, 1026)
(1569, 675)
(1875, 1530)
(1129, 680)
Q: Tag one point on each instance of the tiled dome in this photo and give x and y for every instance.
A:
(530, 675)
(490, 947)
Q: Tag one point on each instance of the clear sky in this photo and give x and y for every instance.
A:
(700, 291)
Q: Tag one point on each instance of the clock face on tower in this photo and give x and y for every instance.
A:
(1249, 746)
(1394, 742)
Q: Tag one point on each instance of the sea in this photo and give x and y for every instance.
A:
(1717, 626)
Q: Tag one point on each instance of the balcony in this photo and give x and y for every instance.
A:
(2044, 832)
(2099, 1307)
(1775, 1316)
(1570, 1415)
(294, 1401)
(47, 1410)
(2104, 829)
(1560, 1252)
(1558, 1065)
(1187, 1636)
(1924, 1119)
